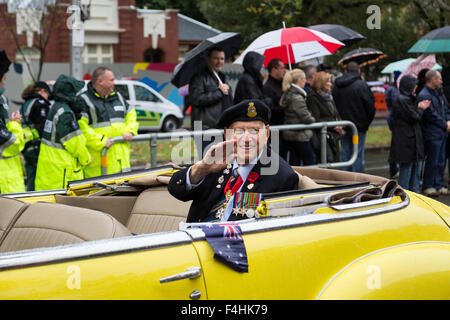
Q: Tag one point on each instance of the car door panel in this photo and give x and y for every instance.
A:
(148, 118)
(150, 109)
(132, 275)
(297, 262)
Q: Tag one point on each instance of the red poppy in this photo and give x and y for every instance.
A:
(252, 177)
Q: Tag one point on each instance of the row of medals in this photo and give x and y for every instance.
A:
(249, 212)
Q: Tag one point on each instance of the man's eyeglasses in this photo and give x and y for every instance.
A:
(250, 131)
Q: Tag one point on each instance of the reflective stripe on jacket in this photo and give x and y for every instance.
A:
(103, 118)
(11, 144)
(63, 151)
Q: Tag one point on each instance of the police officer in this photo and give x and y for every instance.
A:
(34, 114)
(105, 114)
(63, 153)
(241, 163)
(11, 139)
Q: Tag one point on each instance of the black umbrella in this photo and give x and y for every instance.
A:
(362, 56)
(195, 61)
(4, 62)
(341, 33)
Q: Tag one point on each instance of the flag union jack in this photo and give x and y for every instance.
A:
(232, 231)
(228, 244)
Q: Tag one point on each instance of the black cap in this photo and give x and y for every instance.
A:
(4, 62)
(246, 110)
(43, 85)
(323, 67)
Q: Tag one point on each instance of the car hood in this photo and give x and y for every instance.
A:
(441, 210)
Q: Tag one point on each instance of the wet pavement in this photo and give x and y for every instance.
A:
(376, 163)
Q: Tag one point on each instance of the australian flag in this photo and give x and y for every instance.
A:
(226, 240)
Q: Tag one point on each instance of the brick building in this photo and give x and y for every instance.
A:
(116, 32)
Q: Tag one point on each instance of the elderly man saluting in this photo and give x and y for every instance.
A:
(233, 166)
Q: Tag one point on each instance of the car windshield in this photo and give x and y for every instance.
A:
(123, 90)
(142, 94)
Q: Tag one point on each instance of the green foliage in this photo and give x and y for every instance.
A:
(253, 17)
(187, 7)
(427, 15)
(394, 38)
(244, 16)
(378, 137)
(276, 11)
(403, 22)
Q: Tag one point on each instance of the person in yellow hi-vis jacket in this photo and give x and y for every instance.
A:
(11, 139)
(63, 153)
(105, 114)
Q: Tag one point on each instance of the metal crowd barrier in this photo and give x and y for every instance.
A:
(154, 137)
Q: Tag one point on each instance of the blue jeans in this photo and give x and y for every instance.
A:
(409, 175)
(347, 150)
(433, 175)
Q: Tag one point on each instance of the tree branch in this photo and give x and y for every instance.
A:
(443, 5)
(45, 38)
(16, 41)
(424, 15)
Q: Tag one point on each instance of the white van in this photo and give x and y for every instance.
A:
(154, 112)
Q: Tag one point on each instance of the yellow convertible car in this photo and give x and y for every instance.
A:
(340, 236)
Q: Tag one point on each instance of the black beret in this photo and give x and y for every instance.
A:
(246, 110)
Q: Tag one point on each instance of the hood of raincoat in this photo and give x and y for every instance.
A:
(407, 84)
(66, 89)
(253, 63)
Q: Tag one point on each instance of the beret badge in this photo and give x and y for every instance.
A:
(251, 111)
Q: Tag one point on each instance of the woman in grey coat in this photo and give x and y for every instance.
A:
(321, 104)
(293, 102)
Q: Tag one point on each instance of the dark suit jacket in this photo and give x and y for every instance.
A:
(273, 90)
(207, 195)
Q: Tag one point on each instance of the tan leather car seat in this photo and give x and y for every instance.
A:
(155, 210)
(51, 224)
(9, 212)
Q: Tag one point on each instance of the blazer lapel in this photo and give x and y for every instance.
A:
(258, 183)
(218, 184)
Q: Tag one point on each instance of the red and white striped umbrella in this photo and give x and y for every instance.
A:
(292, 45)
